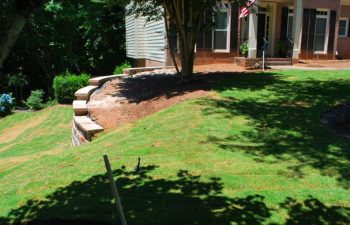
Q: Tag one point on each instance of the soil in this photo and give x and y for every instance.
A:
(128, 99)
(338, 119)
(338, 64)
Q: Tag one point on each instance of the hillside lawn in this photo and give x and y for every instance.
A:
(254, 152)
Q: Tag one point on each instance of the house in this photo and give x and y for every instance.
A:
(297, 29)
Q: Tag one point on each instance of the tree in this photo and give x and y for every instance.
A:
(187, 16)
(18, 81)
(13, 16)
(75, 36)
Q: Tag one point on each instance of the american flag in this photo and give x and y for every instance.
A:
(244, 11)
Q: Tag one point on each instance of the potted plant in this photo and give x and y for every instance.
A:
(244, 49)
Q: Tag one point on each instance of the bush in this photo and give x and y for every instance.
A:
(66, 85)
(244, 48)
(119, 69)
(35, 100)
(6, 104)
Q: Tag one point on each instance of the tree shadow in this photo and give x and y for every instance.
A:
(287, 125)
(136, 89)
(181, 199)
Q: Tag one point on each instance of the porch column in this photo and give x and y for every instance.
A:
(297, 27)
(253, 33)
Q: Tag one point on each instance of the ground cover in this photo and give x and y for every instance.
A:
(253, 152)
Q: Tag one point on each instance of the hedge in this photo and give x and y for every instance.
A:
(66, 85)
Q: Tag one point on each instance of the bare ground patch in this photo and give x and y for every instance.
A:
(11, 133)
(128, 99)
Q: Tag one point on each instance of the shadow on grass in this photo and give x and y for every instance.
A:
(286, 124)
(146, 87)
(182, 199)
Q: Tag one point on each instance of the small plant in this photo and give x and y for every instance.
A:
(35, 100)
(6, 104)
(18, 81)
(244, 49)
(66, 85)
(119, 69)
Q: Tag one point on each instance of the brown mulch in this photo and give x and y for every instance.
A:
(128, 99)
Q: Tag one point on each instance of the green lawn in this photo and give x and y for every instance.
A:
(255, 153)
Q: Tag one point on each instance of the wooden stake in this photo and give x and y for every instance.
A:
(114, 190)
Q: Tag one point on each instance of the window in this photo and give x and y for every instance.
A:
(221, 33)
(343, 27)
(290, 23)
(321, 32)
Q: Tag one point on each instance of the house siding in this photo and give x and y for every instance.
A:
(145, 41)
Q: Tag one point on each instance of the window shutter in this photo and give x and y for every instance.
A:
(331, 38)
(234, 27)
(284, 23)
(305, 35)
(208, 33)
(349, 27)
(312, 28)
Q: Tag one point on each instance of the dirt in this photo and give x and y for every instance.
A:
(11, 133)
(338, 64)
(128, 99)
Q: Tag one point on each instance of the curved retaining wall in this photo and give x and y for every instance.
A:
(84, 129)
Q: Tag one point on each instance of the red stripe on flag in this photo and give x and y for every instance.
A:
(244, 11)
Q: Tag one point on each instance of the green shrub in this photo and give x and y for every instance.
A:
(66, 85)
(244, 48)
(36, 100)
(119, 69)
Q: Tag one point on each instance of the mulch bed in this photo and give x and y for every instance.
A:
(338, 119)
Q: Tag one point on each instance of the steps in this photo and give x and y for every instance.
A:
(80, 107)
(84, 93)
(84, 128)
(277, 62)
(99, 81)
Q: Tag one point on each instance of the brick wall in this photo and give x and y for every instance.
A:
(343, 46)
(78, 136)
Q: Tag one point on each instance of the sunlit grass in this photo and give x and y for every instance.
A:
(246, 154)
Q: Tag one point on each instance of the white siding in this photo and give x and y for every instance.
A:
(130, 26)
(145, 40)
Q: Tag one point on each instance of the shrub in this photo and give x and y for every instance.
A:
(119, 69)
(244, 49)
(66, 85)
(6, 104)
(35, 100)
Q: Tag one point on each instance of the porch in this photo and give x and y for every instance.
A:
(278, 22)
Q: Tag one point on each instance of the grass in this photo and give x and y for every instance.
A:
(255, 153)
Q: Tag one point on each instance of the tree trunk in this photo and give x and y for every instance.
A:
(12, 31)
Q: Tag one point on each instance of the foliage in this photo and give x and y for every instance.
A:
(66, 85)
(119, 69)
(36, 100)
(78, 36)
(18, 81)
(6, 104)
(187, 17)
(244, 48)
(246, 155)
